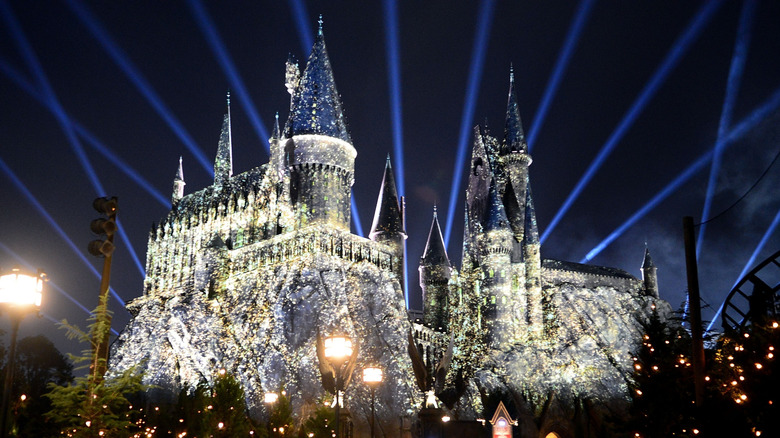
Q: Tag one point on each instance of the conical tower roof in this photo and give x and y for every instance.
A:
(223, 164)
(180, 172)
(514, 136)
(435, 253)
(496, 219)
(647, 262)
(387, 216)
(316, 105)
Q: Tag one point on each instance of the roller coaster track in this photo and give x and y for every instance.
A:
(757, 294)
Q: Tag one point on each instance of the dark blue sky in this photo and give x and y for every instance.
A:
(621, 46)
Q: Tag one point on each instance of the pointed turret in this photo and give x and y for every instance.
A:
(388, 224)
(316, 104)
(496, 218)
(531, 233)
(223, 164)
(533, 265)
(514, 136)
(649, 274)
(178, 185)
(435, 272)
(388, 219)
(435, 253)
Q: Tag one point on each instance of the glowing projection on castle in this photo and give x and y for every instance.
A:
(242, 275)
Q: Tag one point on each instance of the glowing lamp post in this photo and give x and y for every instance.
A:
(269, 399)
(337, 350)
(19, 295)
(372, 376)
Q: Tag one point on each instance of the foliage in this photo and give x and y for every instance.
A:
(741, 381)
(38, 363)
(321, 423)
(95, 406)
(281, 420)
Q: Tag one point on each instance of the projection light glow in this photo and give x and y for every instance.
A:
(50, 96)
(394, 80)
(135, 76)
(356, 217)
(560, 66)
(85, 134)
(732, 87)
(228, 67)
(739, 130)
(681, 45)
(301, 18)
(478, 51)
(45, 214)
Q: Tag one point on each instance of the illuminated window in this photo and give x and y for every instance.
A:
(552, 435)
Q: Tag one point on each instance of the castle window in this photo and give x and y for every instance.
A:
(492, 299)
(491, 273)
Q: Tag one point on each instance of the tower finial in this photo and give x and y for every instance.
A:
(511, 73)
(319, 30)
(228, 99)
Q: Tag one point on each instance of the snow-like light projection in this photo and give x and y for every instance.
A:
(245, 273)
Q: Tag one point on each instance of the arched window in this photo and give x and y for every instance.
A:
(552, 435)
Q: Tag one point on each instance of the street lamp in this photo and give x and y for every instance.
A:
(269, 399)
(372, 376)
(337, 350)
(19, 294)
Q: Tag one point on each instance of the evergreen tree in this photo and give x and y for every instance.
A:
(319, 424)
(91, 407)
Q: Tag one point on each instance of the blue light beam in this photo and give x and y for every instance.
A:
(679, 48)
(478, 51)
(135, 76)
(51, 97)
(394, 79)
(35, 203)
(741, 129)
(356, 216)
(84, 133)
(732, 88)
(301, 18)
(560, 66)
(228, 67)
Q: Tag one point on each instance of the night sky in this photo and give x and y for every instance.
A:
(94, 67)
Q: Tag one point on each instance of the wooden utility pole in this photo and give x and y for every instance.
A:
(694, 306)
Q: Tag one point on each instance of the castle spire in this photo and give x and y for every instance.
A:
(649, 274)
(276, 132)
(514, 137)
(496, 219)
(223, 164)
(178, 184)
(316, 104)
(435, 253)
(387, 216)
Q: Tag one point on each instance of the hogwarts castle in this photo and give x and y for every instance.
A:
(244, 274)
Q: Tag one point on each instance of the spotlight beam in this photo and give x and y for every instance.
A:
(735, 134)
(135, 76)
(32, 62)
(732, 87)
(91, 139)
(301, 18)
(35, 203)
(394, 79)
(228, 67)
(356, 216)
(478, 51)
(679, 48)
(764, 239)
(580, 18)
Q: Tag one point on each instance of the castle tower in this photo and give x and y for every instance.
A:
(495, 247)
(538, 306)
(223, 164)
(514, 152)
(317, 148)
(435, 272)
(178, 185)
(477, 190)
(649, 275)
(388, 225)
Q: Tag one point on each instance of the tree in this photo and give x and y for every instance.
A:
(92, 405)
(38, 363)
(320, 423)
